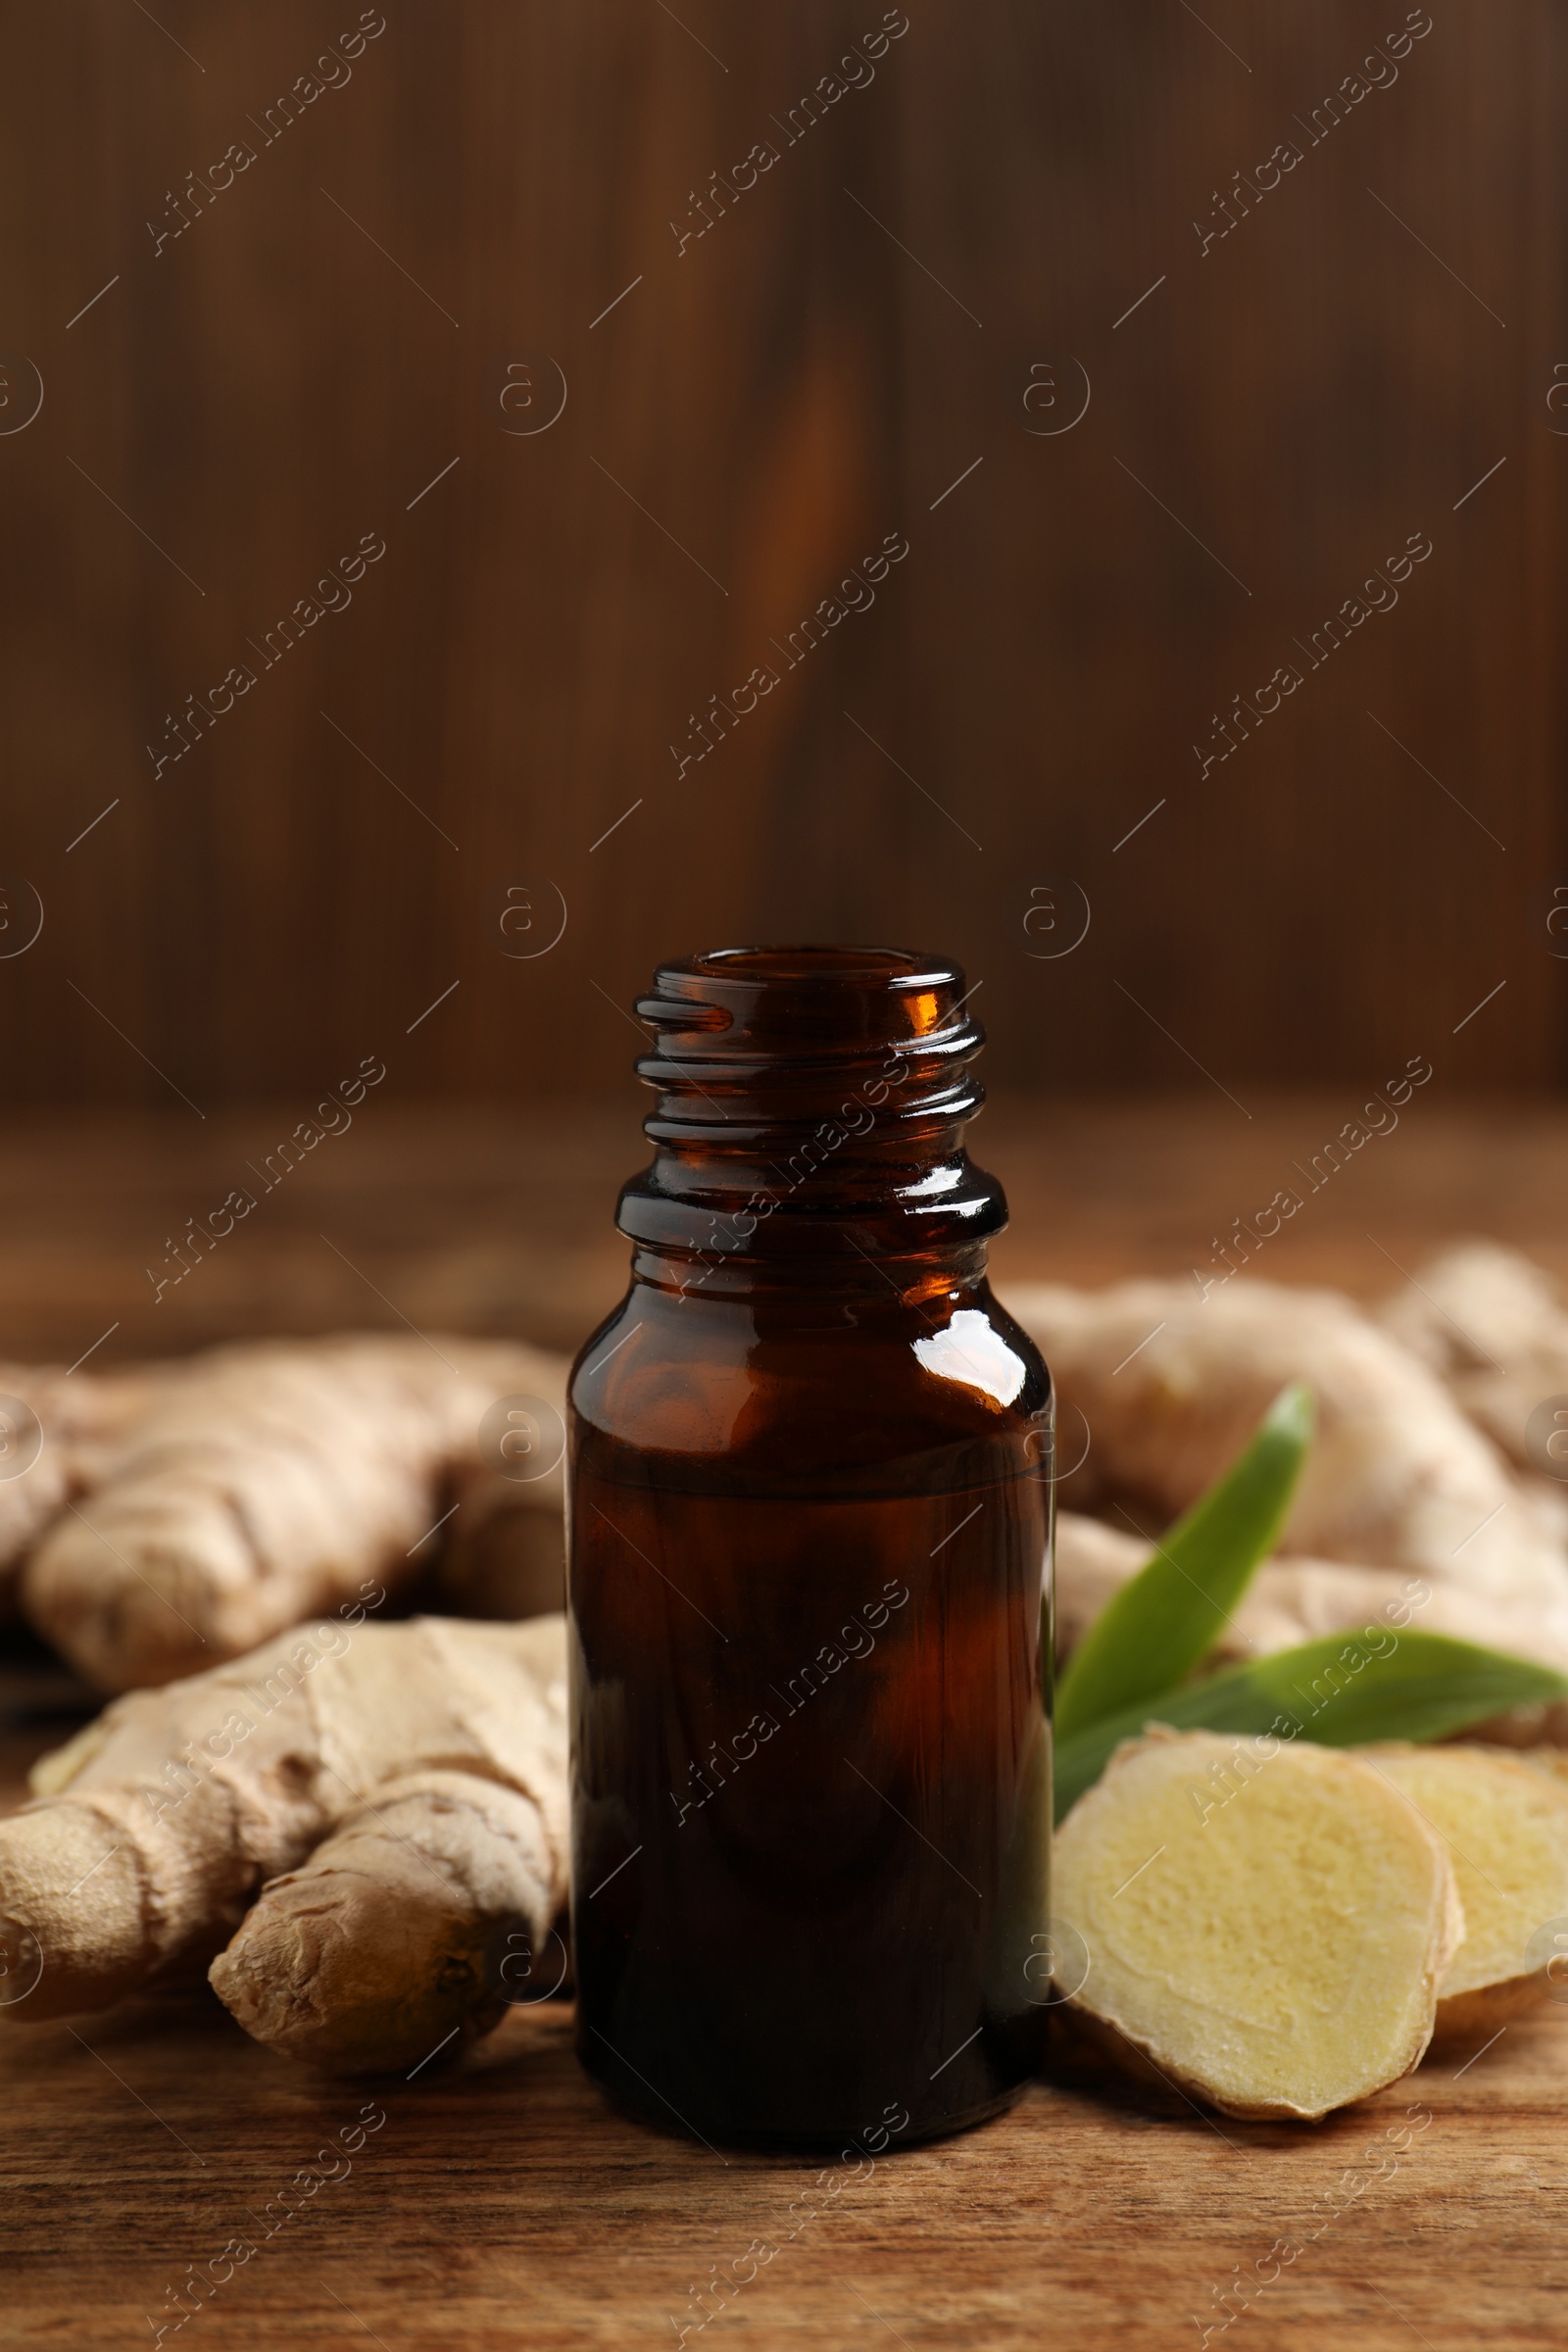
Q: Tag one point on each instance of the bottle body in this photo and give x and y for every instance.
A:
(809, 1582)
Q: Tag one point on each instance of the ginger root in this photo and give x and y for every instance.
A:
(1172, 1384)
(1295, 1600)
(507, 1557)
(262, 1482)
(411, 1925)
(1489, 1324)
(57, 1432)
(401, 1788)
(1505, 1827)
(1279, 1954)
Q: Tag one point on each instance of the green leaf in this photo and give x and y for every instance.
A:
(1168, 1618)
(1336, 1692)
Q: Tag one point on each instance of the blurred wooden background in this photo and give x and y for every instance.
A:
(468, 1217)
(846, 353)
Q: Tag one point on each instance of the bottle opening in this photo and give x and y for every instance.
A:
(797, 1086)
(799, 1005)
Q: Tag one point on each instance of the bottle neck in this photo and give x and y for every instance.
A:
(809, 1127)
(866, 1287)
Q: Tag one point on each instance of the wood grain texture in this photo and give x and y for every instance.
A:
(505, 2203)
(848, 340)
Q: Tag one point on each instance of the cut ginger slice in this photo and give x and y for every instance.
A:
(1268, 1924)
(1505, 1826)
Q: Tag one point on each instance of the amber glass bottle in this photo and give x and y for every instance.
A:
(810, 1578)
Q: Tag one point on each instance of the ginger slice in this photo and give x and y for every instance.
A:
(1505, 1826)
(1267, 1923)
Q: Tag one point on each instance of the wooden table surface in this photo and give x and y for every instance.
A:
(494, 1221)
(505, 2203)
